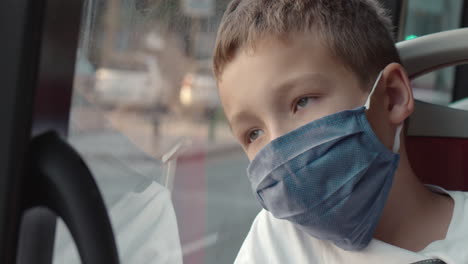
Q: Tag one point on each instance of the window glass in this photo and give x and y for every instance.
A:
(425, 17)
(147, 119)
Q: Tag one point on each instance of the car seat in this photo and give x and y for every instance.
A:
(437, 136)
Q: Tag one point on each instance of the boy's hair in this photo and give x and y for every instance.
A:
(358, 32)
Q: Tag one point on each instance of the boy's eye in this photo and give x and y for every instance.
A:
(254, 135)
(302, 103)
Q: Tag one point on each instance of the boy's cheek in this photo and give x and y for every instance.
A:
(251, 153)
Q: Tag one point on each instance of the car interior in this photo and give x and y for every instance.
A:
(437, 135)
(82, 182)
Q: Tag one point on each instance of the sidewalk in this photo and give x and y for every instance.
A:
(158, 140)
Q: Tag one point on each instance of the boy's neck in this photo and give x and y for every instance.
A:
(414, 216)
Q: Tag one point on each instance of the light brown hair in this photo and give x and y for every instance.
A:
(357, 32)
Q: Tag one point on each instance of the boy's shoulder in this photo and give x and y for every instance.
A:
(452, 249)
(459, 222)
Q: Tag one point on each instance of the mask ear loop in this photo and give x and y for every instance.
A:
(396, 141)
(367, 105)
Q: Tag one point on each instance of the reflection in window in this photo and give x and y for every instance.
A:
(147, 119)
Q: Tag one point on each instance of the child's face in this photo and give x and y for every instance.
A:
(279, 87)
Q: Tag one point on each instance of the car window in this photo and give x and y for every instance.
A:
(147, 119)
(423, 17)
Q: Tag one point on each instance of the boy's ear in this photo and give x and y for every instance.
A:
(400, 101)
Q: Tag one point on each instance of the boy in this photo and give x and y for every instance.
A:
(316, 95)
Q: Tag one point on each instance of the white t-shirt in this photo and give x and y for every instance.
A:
(273, 240)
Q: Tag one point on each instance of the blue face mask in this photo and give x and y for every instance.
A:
(331, 177)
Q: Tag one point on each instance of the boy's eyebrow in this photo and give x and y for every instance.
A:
(236, 118)
(290, 82)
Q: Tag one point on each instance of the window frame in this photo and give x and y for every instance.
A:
(460, 89)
